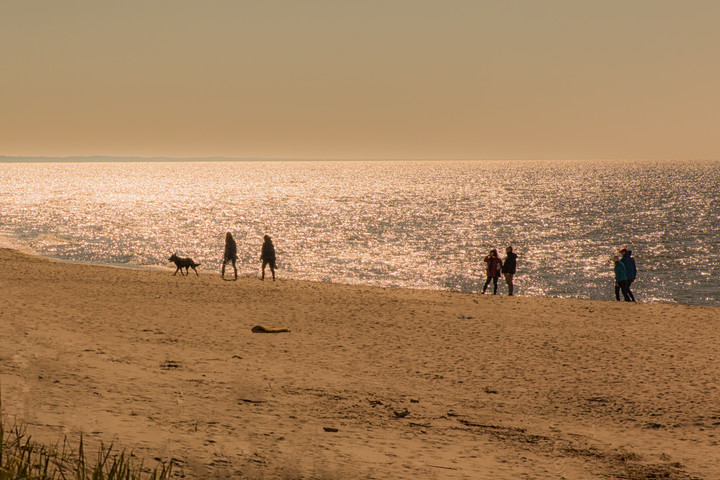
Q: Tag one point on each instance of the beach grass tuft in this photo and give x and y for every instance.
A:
(22, 458)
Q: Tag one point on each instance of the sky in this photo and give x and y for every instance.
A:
(371, 79)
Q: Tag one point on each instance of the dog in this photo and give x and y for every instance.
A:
(186, 263)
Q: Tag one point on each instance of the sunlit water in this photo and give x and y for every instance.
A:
(403, 224)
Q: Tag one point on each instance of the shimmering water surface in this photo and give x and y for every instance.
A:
(405, 224)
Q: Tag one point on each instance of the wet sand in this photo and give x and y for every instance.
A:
(368, 382)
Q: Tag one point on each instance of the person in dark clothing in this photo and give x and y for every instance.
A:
(230, 254)
(508, 269)
(494, 266)
(630, 269)
(268, 257)
(621, 283)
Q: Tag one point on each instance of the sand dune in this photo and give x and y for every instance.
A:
(368, 382)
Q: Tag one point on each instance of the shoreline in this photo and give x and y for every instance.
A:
(9, 243)
(417, 383)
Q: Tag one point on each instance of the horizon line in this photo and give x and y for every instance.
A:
(129, 158)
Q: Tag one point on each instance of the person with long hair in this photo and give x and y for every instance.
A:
(230, 254)
(621, 282)
(494, 266)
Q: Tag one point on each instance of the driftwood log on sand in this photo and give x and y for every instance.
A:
(261, 329)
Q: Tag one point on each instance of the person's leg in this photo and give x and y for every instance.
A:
(234, 268)
(495, 280)
(222, 270)
(617, 291)
(509, 281)
(487, 282)
(625, 290)
(263, 269)
(272, 269)
(632, 297)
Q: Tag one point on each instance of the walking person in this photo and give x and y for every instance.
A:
(230, 254)
(621, 283)
(630, 269)
(508, 269)
(268, 257)
(494, 266)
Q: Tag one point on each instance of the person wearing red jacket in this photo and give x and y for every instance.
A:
(494, 266)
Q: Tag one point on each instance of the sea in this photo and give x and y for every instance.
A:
(399, 224)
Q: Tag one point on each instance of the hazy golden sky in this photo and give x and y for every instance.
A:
(361, 79)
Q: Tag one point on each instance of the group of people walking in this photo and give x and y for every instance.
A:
(625, 268)
(267, 255)
(496, 266)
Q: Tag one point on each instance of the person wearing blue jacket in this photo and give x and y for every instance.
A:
(630, 269)
(621, 282)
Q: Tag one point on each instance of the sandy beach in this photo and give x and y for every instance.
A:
(369, 383)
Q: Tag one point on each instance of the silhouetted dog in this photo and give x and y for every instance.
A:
(186, 263)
